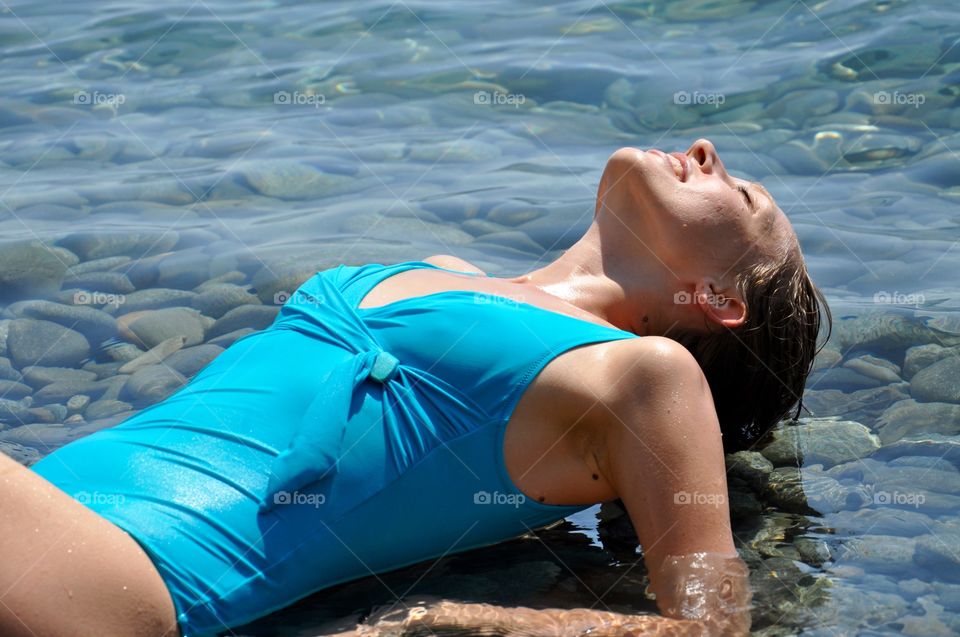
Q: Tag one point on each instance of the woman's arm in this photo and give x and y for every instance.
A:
(661, 450)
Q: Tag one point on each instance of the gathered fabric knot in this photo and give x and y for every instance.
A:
(314, 451)
(380, 365)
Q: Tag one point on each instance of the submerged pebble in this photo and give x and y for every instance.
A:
(827, 441)
(36, 342)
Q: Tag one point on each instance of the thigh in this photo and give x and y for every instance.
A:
(66, 571)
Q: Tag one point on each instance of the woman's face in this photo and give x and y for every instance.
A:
(689, 211)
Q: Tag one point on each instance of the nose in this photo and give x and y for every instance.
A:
(705, 153)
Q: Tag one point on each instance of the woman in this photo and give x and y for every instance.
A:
(394, 414)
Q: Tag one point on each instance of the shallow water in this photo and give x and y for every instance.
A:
(260, 141)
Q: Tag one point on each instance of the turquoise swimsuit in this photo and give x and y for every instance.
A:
(336, 443)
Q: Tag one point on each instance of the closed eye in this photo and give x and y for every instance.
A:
(746, 195)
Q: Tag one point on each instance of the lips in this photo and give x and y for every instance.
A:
(679, 164)
(676, 161)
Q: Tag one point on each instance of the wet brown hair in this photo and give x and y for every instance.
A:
(757, 371)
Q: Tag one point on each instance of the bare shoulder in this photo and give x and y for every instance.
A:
(453, 263)
(631, 368)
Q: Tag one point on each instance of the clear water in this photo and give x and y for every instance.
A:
(304, 135)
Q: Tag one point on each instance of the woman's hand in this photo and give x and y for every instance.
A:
(710, 599)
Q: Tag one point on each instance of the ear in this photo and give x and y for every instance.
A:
(722, 307)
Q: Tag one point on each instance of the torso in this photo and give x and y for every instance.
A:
(551, 441)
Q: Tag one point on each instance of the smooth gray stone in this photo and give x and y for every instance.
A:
(921, 356)
(77, 403)
(291, 179)
(122, 352)
(37, 342)
(806, 493)
(103, 370)
(12, 390)
(812, 551)
(230, 338)
(216, 301)
(97, 326)
(62, 392)
(195, 238)
(95, 245)
(103, 282)
(153, 299)
(749, 466)
(908, 417)
(105, 409)
(191, 360)
(142, 272)
(925, 444)
(883, 521)
(257, 317)
(113, 386)
(939, 382)
(863, 405)
(183, 270)
(7, 372)
(26, 456)
(150, 385)
(156, 326)
(874, 367)
(59, 411)
(879, 553)
(97, 265)
(842, 378)
(940, 552)
(826, 441)
(154, 355)
(14, 413)
(31, 269)
(44, 437)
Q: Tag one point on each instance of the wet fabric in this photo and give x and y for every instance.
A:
(336, 443)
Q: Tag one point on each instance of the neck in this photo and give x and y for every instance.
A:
(629, 294)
